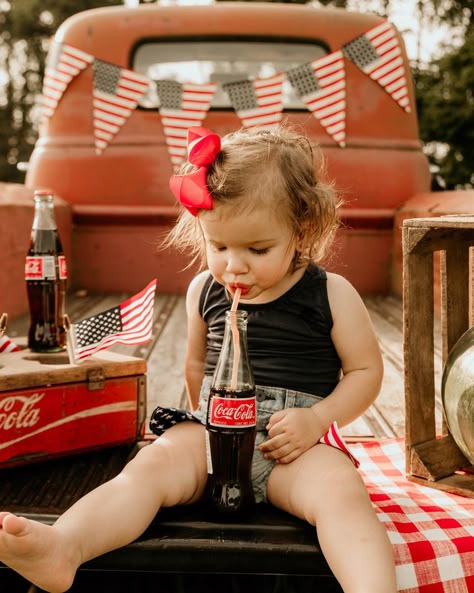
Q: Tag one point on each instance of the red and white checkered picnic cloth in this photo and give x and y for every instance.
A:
(432, 532)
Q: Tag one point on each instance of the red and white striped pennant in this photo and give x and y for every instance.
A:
(378, 54)
(116, 94)
(333, 438)
(64, 63)
(182, 105)
(6, 345)
(322, 86)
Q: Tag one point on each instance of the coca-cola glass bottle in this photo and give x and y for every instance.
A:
(46, 276)
(230, 424)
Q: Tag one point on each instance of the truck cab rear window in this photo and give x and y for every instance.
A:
(201, 62)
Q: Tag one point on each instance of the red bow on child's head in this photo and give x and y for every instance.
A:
(191, 189)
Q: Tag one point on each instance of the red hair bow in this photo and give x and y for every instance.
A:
(191, 189)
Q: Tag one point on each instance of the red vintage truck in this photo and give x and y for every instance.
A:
(120, 199)
(117, 203)
(113, 201)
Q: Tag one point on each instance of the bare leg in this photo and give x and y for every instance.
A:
(324, 488)
(168, 472)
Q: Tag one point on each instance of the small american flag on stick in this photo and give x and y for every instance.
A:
(64, 64)
(116, 94)
(377, 53)
(258, 102)
(129, 323)
(182, 105)
(322, 86)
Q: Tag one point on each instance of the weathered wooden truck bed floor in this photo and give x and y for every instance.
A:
(165, 357)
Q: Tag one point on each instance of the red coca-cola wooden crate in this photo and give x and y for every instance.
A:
(50, 408)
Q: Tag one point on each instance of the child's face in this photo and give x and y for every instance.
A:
(253, 250)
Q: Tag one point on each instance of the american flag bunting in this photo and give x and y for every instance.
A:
(64, 63)
(377, 53)
(115, 95)
(182, 105)
(129, 323)
(321, 84)
(258, 102)
(7, 345)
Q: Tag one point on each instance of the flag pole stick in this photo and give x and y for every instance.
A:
(68, 326)
(3, 324)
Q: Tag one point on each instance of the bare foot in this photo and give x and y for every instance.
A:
(37, 552)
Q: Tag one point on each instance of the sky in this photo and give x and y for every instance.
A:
(403, 16)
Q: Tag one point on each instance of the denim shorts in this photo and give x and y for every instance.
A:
(269, 401)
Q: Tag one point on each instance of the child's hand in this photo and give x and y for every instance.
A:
(291, 432)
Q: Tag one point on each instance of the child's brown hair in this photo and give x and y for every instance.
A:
(278, 169)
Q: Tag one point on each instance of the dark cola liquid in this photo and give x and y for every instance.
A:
(46, 298)
(229, 491)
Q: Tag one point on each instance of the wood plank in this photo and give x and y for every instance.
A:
(25, 369)
(436, 459)
(426, 235)
(458, 221)
(389, 406)
(457, 483)
(166, 363)
(418, 346)
(455, 314)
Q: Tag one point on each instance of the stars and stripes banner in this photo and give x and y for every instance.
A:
(115, 95)
(257, 102)
(129, 323)
(378, 54)
(7, 345)
(182, 105)
(64, 64)
(321, 84)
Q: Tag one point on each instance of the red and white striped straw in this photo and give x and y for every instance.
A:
(235, 339)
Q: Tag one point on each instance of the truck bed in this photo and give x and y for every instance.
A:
(25, 489)
(273, 543)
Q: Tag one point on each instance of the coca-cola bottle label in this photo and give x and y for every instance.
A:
(235, 412)
(40, 267)
(62, 267)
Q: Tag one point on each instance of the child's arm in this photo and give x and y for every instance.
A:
(293, 431)
(196, 343)
(362, 366)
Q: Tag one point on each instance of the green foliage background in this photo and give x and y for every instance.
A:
(445, 103)
(25, 27)
(444, 88)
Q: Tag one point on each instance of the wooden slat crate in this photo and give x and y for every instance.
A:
(432, 459)
(50, 408)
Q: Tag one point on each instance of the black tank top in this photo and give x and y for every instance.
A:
(289, 339)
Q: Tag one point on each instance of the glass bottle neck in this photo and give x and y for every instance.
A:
(44, 218)
(239, 318)
(233, 371)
